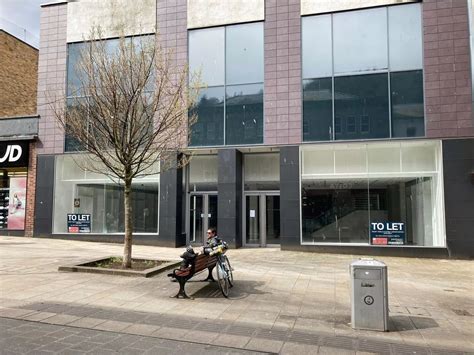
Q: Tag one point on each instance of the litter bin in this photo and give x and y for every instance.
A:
(369, 297)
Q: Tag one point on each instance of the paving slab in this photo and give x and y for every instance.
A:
(291, 302)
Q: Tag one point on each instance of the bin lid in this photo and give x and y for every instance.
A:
(368, 263)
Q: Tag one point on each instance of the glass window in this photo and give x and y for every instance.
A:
(360, 40)
(71, 144)
(73, 78)
(335, 211)
(244, 114)
(418, 156)
(362, 98)
(244, 102)
(262, 171)
(317, 46)
(102, 199)
(208, 130)
(244, 54)
(203, 173)
(206, 54)
(105, 205)
(408, 118)
(401, 184)
(318, 161)
(405, 37)
(350, 159)
(384, 158)
(317, 109)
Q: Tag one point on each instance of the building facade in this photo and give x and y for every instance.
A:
(332, 126)
(18, 133)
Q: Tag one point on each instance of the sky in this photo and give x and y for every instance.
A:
(21, 18)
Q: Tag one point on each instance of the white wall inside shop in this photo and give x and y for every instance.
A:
(115, 18)
(309, 7)
(203, 173)
(207, 13)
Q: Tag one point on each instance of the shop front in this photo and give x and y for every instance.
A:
(89, 205)
(14, 158)
(371, 195)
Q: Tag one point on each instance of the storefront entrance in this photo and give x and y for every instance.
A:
(262, 219)
(202, 214)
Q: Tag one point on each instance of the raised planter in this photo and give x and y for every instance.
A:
(86, 267)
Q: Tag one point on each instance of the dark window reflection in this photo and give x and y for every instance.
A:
(208, 130)
(317, 109)
(73, 78)
(71, 144)
(244, 114)
(335, 212)
(361, 106)
(244, 53)
(105, 205)
(407, 104)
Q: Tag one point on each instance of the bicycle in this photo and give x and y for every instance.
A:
(225, 278)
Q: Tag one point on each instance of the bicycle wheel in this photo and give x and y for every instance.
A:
(229, 270)
(222, 279)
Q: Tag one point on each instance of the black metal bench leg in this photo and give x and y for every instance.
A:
(182, 293)
(210, 278)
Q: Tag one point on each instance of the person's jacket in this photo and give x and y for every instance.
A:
(211, 244)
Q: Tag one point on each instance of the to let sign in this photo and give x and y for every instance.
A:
(387, 233)
(78, 223)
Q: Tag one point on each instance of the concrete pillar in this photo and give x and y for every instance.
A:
(290, 209)
(229, 200)
(171, 229)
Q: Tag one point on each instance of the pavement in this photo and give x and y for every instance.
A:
(283, 302)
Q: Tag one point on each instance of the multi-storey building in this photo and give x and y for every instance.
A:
(18, 132)
(335, 126)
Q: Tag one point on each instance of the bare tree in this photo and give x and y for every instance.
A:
(132, 112)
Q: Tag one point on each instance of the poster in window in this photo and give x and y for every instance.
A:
(387, 233)
(17, 203)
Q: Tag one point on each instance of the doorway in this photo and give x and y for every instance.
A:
(202, 216)
(262, 219)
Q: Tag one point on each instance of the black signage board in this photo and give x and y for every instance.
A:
(14, 154)
(387, 233)
(78, 223)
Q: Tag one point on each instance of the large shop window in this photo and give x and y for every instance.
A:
(362, 74)
(84, 192)
(230, 104)
(347, 187)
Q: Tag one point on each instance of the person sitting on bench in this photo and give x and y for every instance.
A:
(213, 242)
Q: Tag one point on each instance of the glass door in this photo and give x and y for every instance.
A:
(272, 219)
(196, 225)
(252, 226)
(202, 216)
(262, 219)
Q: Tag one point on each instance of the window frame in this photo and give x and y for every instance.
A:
(69, 97)
(388, 71)
(225, 85)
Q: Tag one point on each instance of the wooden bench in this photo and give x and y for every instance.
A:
(201, 263)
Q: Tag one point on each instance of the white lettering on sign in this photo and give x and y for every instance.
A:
(394, 226)
(78, 217)
(13, 153)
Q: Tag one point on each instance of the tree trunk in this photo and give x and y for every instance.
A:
(127, 249)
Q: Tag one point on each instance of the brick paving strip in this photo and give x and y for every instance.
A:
(233, 337)
(28, 337)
